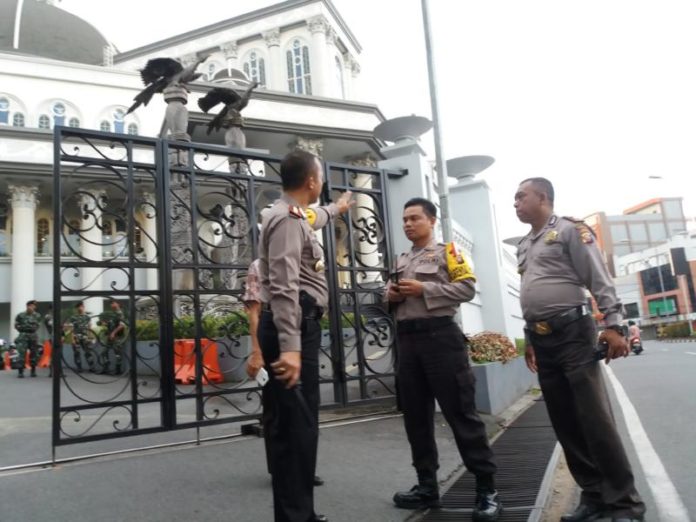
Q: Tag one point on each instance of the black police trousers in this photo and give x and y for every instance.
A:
(578, 405)
(291, 423)
(434, 364)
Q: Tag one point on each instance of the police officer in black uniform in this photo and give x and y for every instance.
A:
(430, 283)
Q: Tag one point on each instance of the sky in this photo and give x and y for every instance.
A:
(595, 95)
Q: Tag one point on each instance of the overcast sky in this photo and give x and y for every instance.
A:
(596, 95)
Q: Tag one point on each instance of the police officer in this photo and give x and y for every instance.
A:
(115, 323)
(27, 324)
(427, 288)
(558, 260)
(294, 294)
(79, 325)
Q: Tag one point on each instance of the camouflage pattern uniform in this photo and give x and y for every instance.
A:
(27, 325)
(112, 320)
(80, 325)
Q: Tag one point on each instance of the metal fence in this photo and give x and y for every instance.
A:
(187, 217)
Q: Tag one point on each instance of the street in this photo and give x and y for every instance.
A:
(661, 387)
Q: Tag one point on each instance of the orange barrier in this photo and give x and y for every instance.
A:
(6, 358)
(185, 361)
(45, 361)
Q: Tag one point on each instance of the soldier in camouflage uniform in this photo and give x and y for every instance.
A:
(115, 323)
(27, 323)
(79, 325)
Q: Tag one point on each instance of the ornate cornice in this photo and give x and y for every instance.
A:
(318, 24)
(313, 145)
(23, 196)
(230, 50)
(272, 37)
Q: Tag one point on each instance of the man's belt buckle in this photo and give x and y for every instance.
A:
(542, 328)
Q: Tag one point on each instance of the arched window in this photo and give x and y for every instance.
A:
(58, 113)
(73, 122)
(105, 126)
(255, 68)
(339, 77)
(4, 110)
(71, 237)
(44, 122)
(212, 69)
(299, 75)
(18, 119)
(119, 115)
(42, 231)
(133, 129)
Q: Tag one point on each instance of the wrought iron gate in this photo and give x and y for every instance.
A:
(164, 232)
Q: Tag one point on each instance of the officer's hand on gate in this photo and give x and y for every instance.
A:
(345, 202)
(254, 364)
(530, 358)
(410, 288)
(287, 368)
(617, 345)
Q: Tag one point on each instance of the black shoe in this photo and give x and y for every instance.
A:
(33, 372)
(419, 497)
(319, 518)
(584, 513)
(20, 374)
(318, 481)
(488, 506)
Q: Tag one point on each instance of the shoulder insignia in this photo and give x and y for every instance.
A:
(311, 216)
(457, 267)
(296, 211)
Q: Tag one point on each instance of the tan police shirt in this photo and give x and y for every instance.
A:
(290, 260)
(556, 266)
(447, 281)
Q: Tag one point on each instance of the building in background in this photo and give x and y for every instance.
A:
(645, 225)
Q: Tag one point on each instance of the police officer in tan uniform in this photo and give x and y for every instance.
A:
(295, 295)
(558, 260)
(429, 284)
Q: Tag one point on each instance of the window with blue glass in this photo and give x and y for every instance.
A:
(4, 110)
(119, 124)
(255, 68)
(299, 74)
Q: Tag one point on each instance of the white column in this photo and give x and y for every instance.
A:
(148, 227)
(335, 86)
(318, 51)
(275, 65)
(23, 199)
(348, 76)
(91, 247)
(230, 51)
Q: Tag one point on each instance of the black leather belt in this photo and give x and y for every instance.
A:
(313, 312)
(557, 322)
(422, 325)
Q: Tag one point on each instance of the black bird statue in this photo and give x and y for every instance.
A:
(159, 73)
(231, 100)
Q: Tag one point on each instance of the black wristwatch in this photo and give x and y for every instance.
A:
(616, 328)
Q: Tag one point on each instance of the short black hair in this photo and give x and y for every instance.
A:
(79, 304)
(428, 206)
(295, 168)
(31, 302)
(112, 300)
(542, 185)
(631, 323)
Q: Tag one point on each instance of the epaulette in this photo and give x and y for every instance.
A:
(296, 211)
(587, 235)
(457, 267)
(572, 219)
(311, 216)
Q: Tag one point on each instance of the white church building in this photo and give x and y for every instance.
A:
(57, 69)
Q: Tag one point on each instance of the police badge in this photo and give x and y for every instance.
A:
(550, 237)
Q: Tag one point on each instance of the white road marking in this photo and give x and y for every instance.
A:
(667, 500)
(690, 353)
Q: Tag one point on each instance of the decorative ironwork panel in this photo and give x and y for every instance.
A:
(156, 239)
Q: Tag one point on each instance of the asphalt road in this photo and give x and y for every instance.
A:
(661, 385)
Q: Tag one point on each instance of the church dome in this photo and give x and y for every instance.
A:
(38, 28)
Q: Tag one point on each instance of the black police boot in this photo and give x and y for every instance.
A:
(20, 373)
(318, 481)
(488, 506)
(119, 369)
(320, 518)
(33, 371)
(424, 495)
(585, 512)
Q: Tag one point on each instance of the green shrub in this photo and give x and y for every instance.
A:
(521, 345)
(675, 330)
(491, 347)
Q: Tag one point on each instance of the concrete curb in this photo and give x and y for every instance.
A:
(546, 485)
